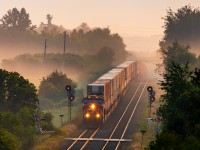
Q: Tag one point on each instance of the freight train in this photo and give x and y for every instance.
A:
(104, 94)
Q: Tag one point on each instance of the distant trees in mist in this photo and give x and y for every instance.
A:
(16, 30)
(182, 25)
(181, 37)
(16, 20)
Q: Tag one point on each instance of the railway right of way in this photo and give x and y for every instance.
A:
(110, 136)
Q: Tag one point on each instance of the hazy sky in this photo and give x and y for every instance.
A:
(126, 17)
(130, 17)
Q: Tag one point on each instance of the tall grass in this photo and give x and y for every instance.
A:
(56, 112)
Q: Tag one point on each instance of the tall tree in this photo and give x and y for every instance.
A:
(180, 109)
(53, 86)
(17, 20)
(182, 25)
(16, 92)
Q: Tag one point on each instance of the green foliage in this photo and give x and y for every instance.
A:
(92, 41)
(168, 140)
(47, 124)
(180, 109)
(17, 20)
(100, 61)
(16, 92)
(182, 25)
(53, 86)
(8, 141)
(177, 53)
(21, 125)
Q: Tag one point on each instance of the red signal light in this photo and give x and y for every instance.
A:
(71, 98)
(68, 88)
(152, 99)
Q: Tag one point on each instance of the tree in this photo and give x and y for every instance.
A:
(171, 140)
(8, 141)
(17, 20)
(53, 86)
(180, 109)
(84, 27)
(105, 57)
(21, 125)
(176, 82)
(91, 42)
(16, 92)
(177, 53)
(182, 25)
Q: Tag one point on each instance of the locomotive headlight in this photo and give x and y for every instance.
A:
(93, 106)
(97, 115)
(87, 115)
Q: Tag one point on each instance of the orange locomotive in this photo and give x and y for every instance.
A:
(104, 94)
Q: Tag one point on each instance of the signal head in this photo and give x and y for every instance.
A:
(152, 98)
(68, 88)
(71, 98)
(149, 88)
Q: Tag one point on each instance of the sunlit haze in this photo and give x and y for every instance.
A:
(130, 18)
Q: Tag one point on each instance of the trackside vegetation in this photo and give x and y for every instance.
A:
(180, 102)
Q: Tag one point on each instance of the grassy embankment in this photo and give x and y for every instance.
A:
(56, 142)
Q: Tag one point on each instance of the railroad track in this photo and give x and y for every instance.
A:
(86, 133)
(109, 139)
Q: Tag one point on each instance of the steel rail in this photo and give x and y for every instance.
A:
(130, 117)
(77, 140)
(70, 147)
(89, 139)
(122, 116)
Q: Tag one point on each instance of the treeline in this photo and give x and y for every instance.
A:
(16, 29)
(181, 85)
(86, 67)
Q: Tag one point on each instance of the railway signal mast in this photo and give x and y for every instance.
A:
(151, 96)
(70, 94)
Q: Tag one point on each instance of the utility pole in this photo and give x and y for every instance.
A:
(64, 42)
(45, 48)
(64, 50)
